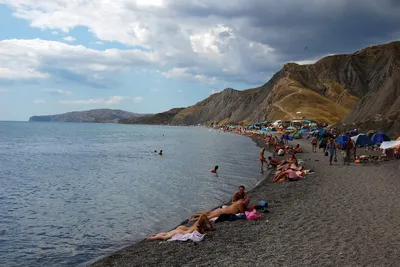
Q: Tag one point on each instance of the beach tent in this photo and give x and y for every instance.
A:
(297, 135)
(389, 144)
(362, 140)
(264, 130)
(290, 138)
(379, 138)
(370, 133)
(352, 132)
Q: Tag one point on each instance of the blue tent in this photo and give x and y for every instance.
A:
(264, 130)
(290, 138)
(378, 138)
(362, 140)
(342, 140)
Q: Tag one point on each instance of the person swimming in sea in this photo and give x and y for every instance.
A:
(215, 169)
(160, 153)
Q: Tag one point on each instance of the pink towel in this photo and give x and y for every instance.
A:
(252, 215)
(195, 236)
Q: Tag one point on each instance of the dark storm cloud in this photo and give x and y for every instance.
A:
(325, 27)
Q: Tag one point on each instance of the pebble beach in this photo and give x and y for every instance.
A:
(338, 216)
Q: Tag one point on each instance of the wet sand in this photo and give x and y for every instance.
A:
(338, 216)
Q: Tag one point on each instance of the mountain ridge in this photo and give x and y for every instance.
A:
(93, 115)
(337, 88)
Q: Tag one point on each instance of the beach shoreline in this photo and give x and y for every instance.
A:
(338, 216)
(259, 142)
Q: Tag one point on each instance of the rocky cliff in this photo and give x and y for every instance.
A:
(94, 115)
(365, 82)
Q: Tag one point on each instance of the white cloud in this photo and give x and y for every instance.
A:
(207, 48)
(20, 73)
(215, 91)
(179, 91)
(39, 101)
(69, 39)
(3, 91)
(29, 59)
(99, 42)
(56, 91)
(112, 100)
(54, 32)
(204, 41)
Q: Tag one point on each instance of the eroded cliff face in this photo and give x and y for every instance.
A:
(379, 108)
(365, 82)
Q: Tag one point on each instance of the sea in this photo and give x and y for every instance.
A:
(71, 193)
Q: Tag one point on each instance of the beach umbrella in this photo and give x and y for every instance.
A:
(379, 138)
(362, 140)
(389, 144)
(264, 130)
(341, 140)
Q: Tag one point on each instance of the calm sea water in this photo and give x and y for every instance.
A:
(71, 193)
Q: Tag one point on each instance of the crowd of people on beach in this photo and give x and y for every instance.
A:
(288, 167)
(203, 220)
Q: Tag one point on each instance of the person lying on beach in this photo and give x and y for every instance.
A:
(201, 225)
(240, 194)
(234, 208)
(262, 159)
(298, 149)
(289, 174)
(273, 162)
(290, 151)
(290, 160)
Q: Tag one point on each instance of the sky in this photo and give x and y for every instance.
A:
(148, 56)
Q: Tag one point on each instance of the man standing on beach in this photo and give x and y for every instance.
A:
(262, 159)
(314, 142)
(350, 148)
(331, 148)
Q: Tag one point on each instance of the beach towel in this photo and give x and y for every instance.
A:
(195, 236)
(226, 217)
(252, 215)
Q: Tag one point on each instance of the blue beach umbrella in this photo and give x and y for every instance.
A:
(341, 140)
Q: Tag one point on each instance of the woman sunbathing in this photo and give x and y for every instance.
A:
(236, 207)
(201, 225)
